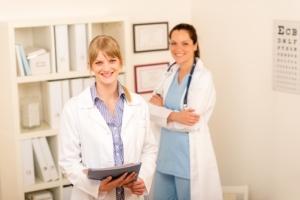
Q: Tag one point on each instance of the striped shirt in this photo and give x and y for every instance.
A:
(113, 121)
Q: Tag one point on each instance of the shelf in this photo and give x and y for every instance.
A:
(44, 89)
(41, 185)
(53, 76)
(65, 181)
(42, 131)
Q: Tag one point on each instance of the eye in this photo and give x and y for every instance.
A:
(98, 62)
(172, 43)
(113, 60)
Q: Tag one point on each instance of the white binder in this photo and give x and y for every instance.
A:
(65, 91)
(78, 47)
(88, 82)
(27, 161)
(76, 86)
(67, 190)
(49, 158)
(62, 48)
(53, 102)
(42, 170)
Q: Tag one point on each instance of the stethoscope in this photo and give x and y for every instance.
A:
(168, 72)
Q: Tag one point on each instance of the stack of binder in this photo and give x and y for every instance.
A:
(38, 161)
(57, 93)
(71, 47)
(46, 169)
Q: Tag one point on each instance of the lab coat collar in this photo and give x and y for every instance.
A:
(199, 66)
(86, 102)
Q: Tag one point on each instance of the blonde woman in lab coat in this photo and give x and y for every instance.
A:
(105, 126)
(181, 107)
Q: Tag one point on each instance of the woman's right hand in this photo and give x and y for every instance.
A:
(157, 100)
(108, 184)
(186, 117)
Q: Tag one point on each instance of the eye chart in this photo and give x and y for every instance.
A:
(286, 54)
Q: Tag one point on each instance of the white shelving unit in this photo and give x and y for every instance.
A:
(13, 88)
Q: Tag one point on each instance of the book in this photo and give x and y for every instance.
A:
(114, 172)
(65, 91)
(67, 190)
(62, 48)
(49, 158)
(76, 86)
(25, 63)
(88, 82)
(78, 47)
(41, 166)
(21, 71)
(52, 92)
(27, 161)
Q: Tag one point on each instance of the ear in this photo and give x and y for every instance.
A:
(195, 46)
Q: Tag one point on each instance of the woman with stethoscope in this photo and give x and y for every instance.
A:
(181, 106)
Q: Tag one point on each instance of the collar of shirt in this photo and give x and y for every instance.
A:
(95, 97)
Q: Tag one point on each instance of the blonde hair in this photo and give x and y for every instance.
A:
(107, 44)
(110, 47)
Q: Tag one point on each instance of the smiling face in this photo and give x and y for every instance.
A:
(105, 59)
(182, 47)
(106, 68)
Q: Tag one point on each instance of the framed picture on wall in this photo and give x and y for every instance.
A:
(150, 37)
(147, 76)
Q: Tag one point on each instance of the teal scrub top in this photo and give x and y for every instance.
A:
(173, 156)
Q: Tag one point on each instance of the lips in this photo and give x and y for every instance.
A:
(179, 54)
(106, 74)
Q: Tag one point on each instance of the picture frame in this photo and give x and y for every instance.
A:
(147, 76)
(150, 37)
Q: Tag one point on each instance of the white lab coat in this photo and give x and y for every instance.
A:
(85, 141)
(205, 182)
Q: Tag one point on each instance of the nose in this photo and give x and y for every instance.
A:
(106, 65)
(177, 47)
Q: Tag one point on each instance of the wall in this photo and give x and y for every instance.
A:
(136, 11)
(255, 129)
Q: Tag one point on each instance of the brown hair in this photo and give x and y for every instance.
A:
(191, 31)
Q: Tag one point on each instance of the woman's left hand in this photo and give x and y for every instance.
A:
(156, 100)
(137, 187)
